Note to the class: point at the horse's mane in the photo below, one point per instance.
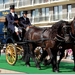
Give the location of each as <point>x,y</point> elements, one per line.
<point>59,23</point>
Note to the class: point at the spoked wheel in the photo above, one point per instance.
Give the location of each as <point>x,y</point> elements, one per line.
<point>11,54</point>
<point>20,51</point>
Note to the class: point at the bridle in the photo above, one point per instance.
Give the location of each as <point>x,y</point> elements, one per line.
<point>66,34</point>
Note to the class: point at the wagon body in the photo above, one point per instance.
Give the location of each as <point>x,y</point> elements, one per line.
<point>13,50</point>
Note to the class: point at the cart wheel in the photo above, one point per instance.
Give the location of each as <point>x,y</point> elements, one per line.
<point>11,54</point>
<point>20,51</point>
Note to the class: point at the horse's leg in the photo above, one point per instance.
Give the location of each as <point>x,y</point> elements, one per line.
<point>37,63</point>
<point>43,57</point>
<point>48,56</point>
<point>27,54</point>
<point>54,63</point>
<point>60,58</point>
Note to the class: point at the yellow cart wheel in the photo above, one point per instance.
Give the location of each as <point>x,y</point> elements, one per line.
<point>20,51</point>
<point>11,54</point>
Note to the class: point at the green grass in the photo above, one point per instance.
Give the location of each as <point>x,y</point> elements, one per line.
<point>65,68</point>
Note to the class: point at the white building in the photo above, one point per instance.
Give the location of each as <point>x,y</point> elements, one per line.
<point>42,12</point>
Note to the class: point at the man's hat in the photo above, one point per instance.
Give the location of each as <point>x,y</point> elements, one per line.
<point>25,12</point>
<point>12,6</point>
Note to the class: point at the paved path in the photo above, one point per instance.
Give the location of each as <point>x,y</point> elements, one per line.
<point>9,71</point>
<point>67,60</point>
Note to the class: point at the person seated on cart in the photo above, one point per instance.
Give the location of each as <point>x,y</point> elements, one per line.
<point>13,23</point>
<point>24,22</point>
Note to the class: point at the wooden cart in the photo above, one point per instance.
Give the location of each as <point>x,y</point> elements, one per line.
<point>13,51</point>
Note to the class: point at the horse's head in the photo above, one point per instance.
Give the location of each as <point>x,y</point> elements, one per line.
<point>65,31</point>
<point>62,30</point>
<point>66,28</point>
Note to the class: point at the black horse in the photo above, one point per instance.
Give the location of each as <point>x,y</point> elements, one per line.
<point>49,39</point>
<point>69,43</point>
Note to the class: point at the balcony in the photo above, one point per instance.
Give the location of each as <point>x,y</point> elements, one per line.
<point>32,4</point>
<point>24,3</point>
<point>51,18</point>
<point>40,1</point>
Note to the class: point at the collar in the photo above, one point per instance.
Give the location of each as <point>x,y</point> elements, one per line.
<point>12,14</point>
<point>24,18</point>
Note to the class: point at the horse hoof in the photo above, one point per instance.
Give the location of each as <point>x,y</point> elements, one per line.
<point>27,65</point>
<point>39,68</point>
<point>74,69</point>
<point>56,71</point>
<point>44,64</point>
<point>47,62</point>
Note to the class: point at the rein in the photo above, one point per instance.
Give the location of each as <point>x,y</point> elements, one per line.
<point>59,38</point>
<point>72,36</point>
<point>43,32</point>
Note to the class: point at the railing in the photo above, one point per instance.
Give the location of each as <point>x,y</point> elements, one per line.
<point>40,1</point>
<point>52,18</point>
<point>57,0</point>
<point>39,19</point>
<point>7,5</point>
<point>24,3</point>
<point>28,3</point>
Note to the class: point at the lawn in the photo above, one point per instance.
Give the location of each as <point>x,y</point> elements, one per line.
<point>65,68</point>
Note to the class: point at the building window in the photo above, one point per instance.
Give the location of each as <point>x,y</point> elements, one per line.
<point>14,0</point>
<point>41,14</point>
<point>46,0</point>
<point>69,10</point>
<point>36,1</point>
<point>6,1</point>
<point>21,13</point>
<point>47,12</point>
<point>44,14</point>
<point>32,13</point>
<point>60,12</point>
<point>1,1</point>
<point>57,12</point>
<point>36,12</point>
<point>43,11</point>
<point>35,15</point>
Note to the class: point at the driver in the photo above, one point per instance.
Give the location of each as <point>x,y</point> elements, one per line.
<point>12,19</point>
<point>24,22</point>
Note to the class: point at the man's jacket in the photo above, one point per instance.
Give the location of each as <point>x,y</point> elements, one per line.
<point>10,20</point>
<point>24,22</point>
